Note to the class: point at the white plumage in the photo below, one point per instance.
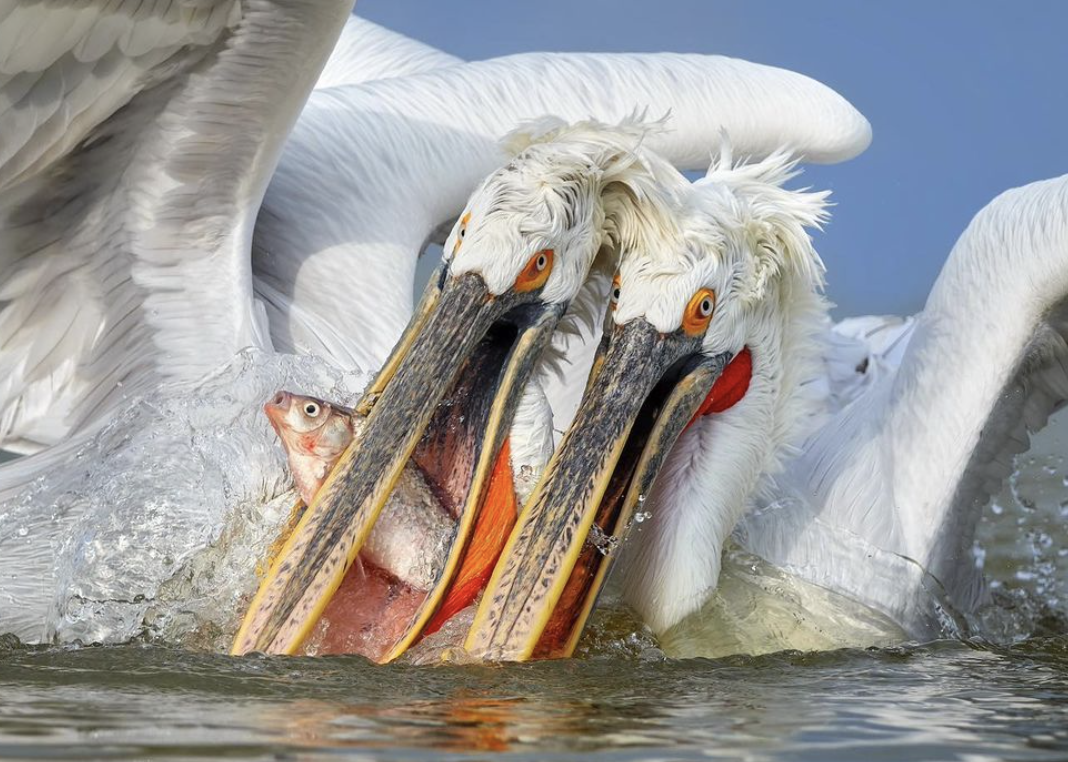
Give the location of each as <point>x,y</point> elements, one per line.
<point>366,51</point>
<point>138,142</point>
<point>129,190</point>
<point>402,154</point>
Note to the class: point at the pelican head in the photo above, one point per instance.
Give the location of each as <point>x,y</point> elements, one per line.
<point>541,219</point>
<point>692,388</point>
<point>446,398</point>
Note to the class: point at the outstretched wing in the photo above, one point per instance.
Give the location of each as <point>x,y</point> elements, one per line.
<point>137,144</point>
<point>1007,374</point>
<point>400,156</point>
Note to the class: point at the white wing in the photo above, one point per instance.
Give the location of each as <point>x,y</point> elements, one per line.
<point>400,156</point>
<point>903,472</point>
<point>366,51</point>
<point>129,189</point>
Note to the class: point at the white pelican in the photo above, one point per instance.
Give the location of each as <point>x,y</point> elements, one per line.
<point>138,144</point>
<point>881,501</point>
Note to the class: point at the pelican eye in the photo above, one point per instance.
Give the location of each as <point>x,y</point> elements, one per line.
<point>615,290</point>
<point>461,232</point>
<point>699,312</point>
<point>311,410</point>
<point>536,271</point>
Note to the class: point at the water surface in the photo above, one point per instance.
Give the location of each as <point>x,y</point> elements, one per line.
<point>945,700</point>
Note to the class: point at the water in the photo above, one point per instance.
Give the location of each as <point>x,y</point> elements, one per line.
<point>620,699</point>
<point>947,700</point>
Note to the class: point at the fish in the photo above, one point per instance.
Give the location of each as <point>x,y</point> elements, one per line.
<point>406,549</point>
<point>314,434</point>
<point>412,536</point>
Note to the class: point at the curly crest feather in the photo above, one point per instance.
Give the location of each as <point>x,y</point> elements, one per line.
<point>774,219</point>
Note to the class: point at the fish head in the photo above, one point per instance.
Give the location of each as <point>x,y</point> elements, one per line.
<point>314,433</point>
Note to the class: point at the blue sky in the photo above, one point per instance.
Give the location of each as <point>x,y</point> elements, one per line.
<point>966,99</point>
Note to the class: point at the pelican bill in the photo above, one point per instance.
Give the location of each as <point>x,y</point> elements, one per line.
<point>442,404</point>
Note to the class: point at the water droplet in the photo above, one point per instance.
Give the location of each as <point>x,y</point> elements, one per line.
<point>604,543</point>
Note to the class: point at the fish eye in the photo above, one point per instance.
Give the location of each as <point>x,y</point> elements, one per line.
<point>311,409</point>
<point>699,311</point>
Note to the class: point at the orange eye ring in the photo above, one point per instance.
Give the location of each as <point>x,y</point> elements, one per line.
<point>536,271</point>
<point>613,295</point>
<point>699,312</point>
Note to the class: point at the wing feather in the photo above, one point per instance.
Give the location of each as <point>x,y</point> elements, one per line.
<point>1036,390</point>
<point>115,46</point>
<point>861,351</point>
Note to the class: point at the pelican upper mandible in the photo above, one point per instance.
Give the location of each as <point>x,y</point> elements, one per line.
<point>705,385</point>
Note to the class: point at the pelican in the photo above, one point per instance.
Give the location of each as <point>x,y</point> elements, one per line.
<point>701,410</point>
<point>136,261</point>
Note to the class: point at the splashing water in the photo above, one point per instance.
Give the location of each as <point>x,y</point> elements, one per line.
<point>154,525</point>
<point>1022,546</point>
<point>603,542</point>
